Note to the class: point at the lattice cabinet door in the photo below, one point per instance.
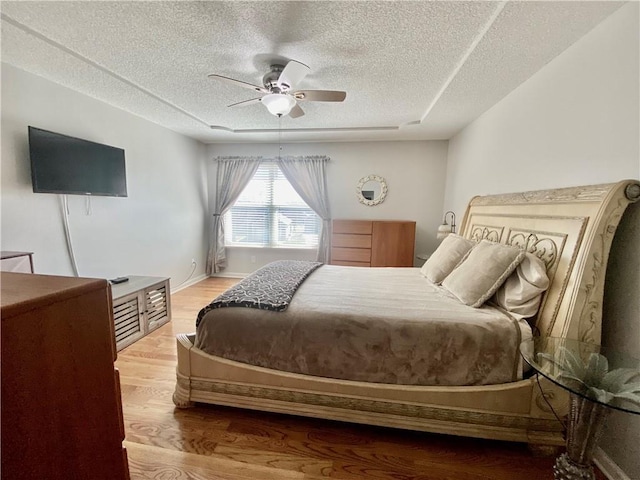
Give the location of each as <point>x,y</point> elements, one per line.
<point>157,306</point>
<point>128,318</point>
<point>140,305</point>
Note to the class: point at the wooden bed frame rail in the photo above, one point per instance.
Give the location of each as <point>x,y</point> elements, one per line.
<point>570,229</point>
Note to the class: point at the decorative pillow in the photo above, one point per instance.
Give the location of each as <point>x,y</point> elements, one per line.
<point>481,273</point>
<point>521,293</point>
<point>449,254</point>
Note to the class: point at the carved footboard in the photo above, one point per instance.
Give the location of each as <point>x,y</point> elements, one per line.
<point>514,411</point>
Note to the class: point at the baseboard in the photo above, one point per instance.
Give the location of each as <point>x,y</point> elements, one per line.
<point>188,283</point>
<point>199,278</point>
<point>230,275</point>
<point>608,467</point>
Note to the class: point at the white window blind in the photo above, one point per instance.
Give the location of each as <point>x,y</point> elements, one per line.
<point>269,213</point>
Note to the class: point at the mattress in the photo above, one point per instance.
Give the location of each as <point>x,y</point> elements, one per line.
<point>381,325</point>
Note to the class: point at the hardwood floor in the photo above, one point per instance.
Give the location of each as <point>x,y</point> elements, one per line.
<point>216,443</point>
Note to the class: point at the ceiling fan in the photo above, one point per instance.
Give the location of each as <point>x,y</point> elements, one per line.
<point>278,94</point>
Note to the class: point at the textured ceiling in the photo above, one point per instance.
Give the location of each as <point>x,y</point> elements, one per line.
<point>411,69</point>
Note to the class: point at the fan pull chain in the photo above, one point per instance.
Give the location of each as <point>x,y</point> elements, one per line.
<point>280,137</point>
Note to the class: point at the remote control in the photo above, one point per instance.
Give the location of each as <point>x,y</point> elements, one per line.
<point>119,280</point>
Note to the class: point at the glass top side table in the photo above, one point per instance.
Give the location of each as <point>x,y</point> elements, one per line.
<point>598,381</point>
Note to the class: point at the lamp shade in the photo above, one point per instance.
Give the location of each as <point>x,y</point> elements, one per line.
<point>444,230</point>
<point>278,103</point>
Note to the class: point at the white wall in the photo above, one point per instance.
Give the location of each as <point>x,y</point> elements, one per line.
<point>156,230</point>
<point>576,122</point>
<point>414,172</point>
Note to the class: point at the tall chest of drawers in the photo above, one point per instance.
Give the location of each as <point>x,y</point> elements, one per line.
<point>373,243</point>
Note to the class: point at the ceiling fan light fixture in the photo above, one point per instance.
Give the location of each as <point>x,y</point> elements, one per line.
<point>278,103</point>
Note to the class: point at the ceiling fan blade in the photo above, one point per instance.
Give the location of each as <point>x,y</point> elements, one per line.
<point>245,102</point>
<point>296,111</point>
<point>238,83</point>
<point>292,73</point>
<point>320,95</point>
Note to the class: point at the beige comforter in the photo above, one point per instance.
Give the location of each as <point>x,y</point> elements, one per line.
<point>383,325</point>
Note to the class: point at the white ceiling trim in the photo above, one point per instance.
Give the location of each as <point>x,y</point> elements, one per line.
<point>463,60</point>
<point>143,90</point>
<point>93,64</point>
<point>439,65</point>
<point>304,130</point>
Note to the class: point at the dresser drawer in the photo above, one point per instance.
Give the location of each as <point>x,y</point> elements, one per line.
<point>359,227</point>
<point>350,264</point>
<point>351,241</point>
<point>351,254</point>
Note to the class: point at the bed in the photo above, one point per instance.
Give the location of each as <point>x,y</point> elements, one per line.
<point>570,230</point>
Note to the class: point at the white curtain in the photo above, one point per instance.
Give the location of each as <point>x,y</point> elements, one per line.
<point>233,174</point>
<point>307,176</point>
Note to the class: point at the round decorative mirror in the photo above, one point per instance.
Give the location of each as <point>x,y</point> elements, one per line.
<point>371,190</point>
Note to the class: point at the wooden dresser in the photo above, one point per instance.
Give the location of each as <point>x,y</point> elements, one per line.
<point>373,243</point>
<point>61,404</point>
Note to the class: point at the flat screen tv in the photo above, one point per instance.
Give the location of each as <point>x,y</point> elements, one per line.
<point>69,165</point>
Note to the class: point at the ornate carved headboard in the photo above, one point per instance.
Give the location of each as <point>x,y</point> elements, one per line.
<point>571,230</point>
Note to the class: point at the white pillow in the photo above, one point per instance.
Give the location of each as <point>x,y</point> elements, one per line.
<point>521,293</point>
<point>446,257</point>
<point>482,271</point>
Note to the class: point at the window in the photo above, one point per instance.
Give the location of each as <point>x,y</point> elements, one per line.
<point>269,213</point>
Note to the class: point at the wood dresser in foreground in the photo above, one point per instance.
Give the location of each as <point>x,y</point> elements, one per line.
<point>373,243</point>
<point>61,404</point>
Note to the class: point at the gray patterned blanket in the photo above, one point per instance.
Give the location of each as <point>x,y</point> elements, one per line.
<point>269,288</point>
